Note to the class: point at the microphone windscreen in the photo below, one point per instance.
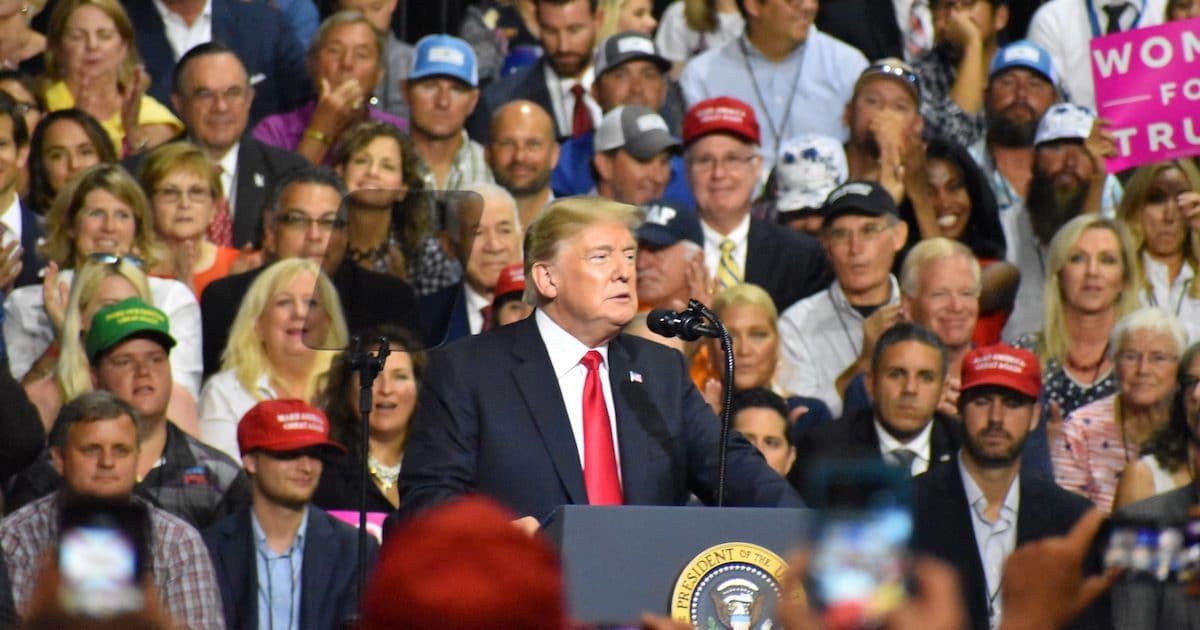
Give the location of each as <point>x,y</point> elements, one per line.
<point>659,322</point>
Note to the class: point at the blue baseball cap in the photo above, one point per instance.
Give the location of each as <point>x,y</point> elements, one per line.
<point>1024,54</point>
<point>668,223</point>
<point>445,55</point>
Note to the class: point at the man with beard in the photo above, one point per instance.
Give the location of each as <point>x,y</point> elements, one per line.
<point>441,91</point>
<point>974,512</point>
<point>1067,179</point>
<point>522,152</point>
<point>903,427</point>
<point>953,72</point>
<point>282,562</point>
<point>560,80</point>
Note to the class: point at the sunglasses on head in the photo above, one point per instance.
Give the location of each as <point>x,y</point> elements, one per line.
<point>112,259</point>
<point>898,71</point>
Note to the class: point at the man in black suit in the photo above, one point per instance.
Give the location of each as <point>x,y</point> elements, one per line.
<point>281,557</point>
<point>17,221</point>
<point>306,219</point>
<point>560,81</point>
<point>560,408</point>
<point>724,166</point>
<point>908,371</point>
<point>258,31</point>
<point>975,511</point>
<point>213,97</point>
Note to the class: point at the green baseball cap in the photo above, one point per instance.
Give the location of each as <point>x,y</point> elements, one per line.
<point>128,318</point>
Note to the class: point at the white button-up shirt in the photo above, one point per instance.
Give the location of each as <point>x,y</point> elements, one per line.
<point>182,36</point>
<point>919,445</point>
<point>995,540</point>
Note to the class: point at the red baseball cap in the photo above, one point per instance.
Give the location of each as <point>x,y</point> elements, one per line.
<point>511,280</point>
<point>1003,366</point>
<point>722,114</point>
<point>284,425</point>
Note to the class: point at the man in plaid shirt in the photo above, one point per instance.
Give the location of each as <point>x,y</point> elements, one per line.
<point>94,445</point>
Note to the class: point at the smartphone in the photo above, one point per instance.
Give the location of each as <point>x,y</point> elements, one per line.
<point>102,555</point>
<point>861,562</point>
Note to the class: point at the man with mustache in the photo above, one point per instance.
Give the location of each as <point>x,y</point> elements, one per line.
<point>903,427</point>
<point>974,512</point>
<point>522,153</point>
<point>560,81</point>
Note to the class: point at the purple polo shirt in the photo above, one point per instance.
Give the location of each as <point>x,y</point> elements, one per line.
<point>285,130</point>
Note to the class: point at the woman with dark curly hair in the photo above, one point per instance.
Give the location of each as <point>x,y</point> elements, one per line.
<point>375,156</point>
<point>394,399</point>
<point>64,143</point>
<point>964,209</point>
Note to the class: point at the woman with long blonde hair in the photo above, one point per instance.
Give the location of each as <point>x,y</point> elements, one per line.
<point>269,354</point>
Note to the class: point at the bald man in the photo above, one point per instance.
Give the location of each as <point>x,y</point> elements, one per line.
<point>522,153</point>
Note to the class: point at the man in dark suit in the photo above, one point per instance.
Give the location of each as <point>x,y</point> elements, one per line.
<point>526,413</point>
<point>908,371</point>
<point>214,99</point>
<point>559,80</point>
<point>14,215</point>
<point>305,219</point>
<point>975,511</point>
<point>258,32</point>
<point>257,550</point>
<point>724,166</point>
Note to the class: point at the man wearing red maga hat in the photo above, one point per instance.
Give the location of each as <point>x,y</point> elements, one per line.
<point>284,562</point>
<point>974,513</point>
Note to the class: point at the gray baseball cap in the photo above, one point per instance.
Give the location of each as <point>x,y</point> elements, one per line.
<point>617,49</point>
<point>641,131</point>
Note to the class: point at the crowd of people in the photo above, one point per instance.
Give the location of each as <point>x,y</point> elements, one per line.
<point>899,209</point>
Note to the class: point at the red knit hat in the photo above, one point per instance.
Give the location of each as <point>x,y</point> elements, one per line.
<point>465,566</point>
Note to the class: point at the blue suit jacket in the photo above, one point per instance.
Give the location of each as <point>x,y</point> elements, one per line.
<point>31,261</point>
<point>257,31</point>
<point>492,420</point>
<point>444,316</point>
<point>328,578</point>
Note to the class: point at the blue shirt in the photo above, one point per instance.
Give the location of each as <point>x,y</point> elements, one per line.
<point>573,174</point>
<point>279,578</point>
<point>810,87</point>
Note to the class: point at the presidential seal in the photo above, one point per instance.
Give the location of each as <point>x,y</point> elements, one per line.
<point>731,586</point>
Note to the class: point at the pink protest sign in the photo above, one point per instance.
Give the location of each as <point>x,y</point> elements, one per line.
<point>1148,84</point>
<point>374,521</point>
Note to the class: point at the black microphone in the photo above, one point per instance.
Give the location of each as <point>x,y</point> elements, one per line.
<point>688,325</point>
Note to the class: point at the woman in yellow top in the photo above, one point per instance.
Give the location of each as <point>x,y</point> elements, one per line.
<point>92,62</point>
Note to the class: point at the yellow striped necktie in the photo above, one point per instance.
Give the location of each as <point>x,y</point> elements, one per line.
<point>729,273</point>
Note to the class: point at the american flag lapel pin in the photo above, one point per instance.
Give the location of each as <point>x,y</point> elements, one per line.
<point>635,377</point>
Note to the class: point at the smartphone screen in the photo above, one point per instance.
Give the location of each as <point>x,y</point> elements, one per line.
<point>860,564</point>
<point>100,559</point>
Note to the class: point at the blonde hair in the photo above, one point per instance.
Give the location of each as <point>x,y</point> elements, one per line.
<point>178,156</point>
<point>932,250</point>
<point>700,15</point>
<point>1055,340</point>
<point>1137,191</point>
<point>746,294</point>
<point>56,31</point>
<point>60,220</point>
<point>245,353</point>
<point>71,373</point>
<point>562,220</point>
<point>612,15</point>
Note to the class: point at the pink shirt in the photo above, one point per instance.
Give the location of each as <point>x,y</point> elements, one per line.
<point>1091,452</point>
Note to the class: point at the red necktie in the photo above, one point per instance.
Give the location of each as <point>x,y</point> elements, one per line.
<point>599,455</point>
<point>581,119</point>
<point>486,311</point>
<point>220,230</point>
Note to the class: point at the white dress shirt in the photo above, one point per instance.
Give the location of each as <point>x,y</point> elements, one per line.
<point>566,352</point>
<point>995,540</point>
<point>1173,297</point>
<point>919,445</point>
<point>11,220</point>
<point>223,403</point>
<point>712,245</point>
<point>180,35</point>
<point>475,304</point>
<point>563,102</point>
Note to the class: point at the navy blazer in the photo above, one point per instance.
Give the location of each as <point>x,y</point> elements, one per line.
<point>328,575</point>
<point>31,260</point>
<point>943,528</point>
<point>854,437</point>
<point>788,265</point>
<point>528,83</point>
<point>444,316</point>
<point>260,35</point>
<point>491,419</point>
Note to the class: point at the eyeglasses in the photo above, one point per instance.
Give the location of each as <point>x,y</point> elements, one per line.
<point>173,195</point>
<point>297,221</point>
<point>896,69</point>
<point>868,232</point>
<point>707,163</point>
<point>207,97</point>
<point>113,259</point>
<point>1156,359</point>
